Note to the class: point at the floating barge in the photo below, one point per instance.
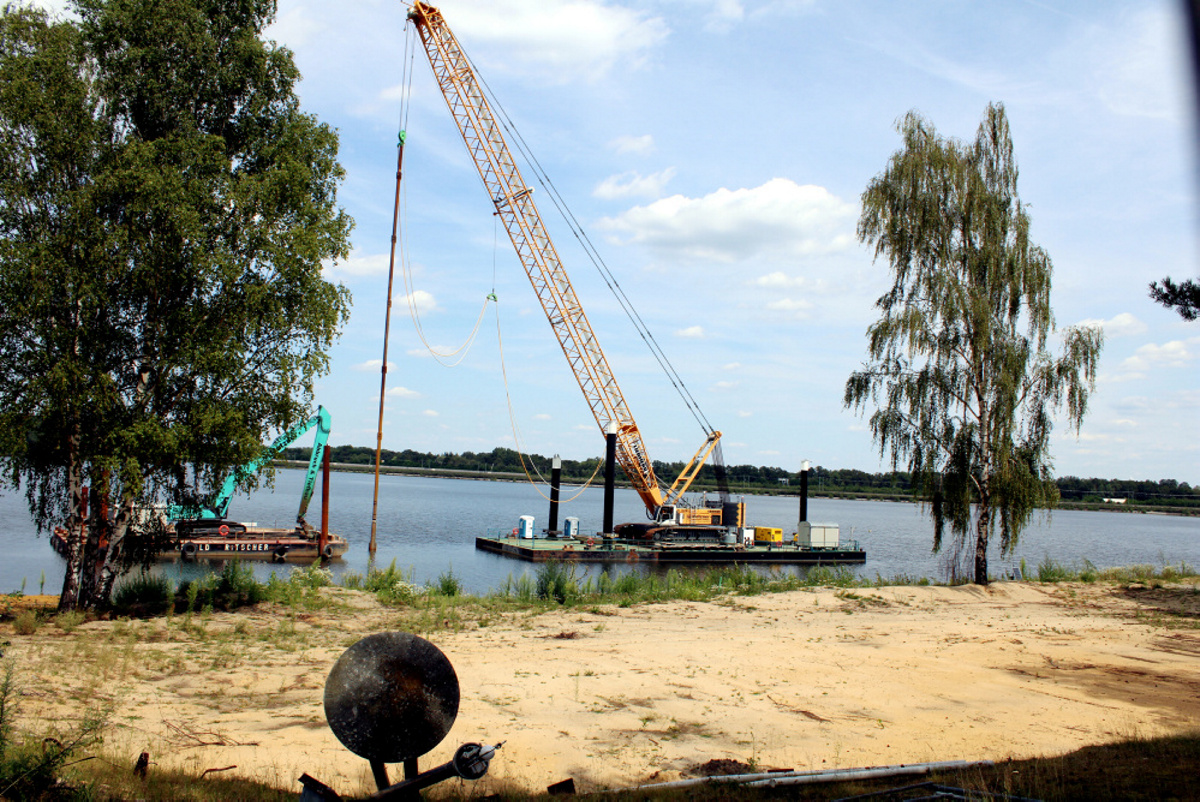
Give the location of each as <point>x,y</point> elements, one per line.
<point>613,550</point>
<point>277,545</point>
<point>244,543</point>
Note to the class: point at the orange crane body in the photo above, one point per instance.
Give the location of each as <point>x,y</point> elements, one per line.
<point>513,201</point>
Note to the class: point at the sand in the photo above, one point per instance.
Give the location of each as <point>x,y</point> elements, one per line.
<point>614,697</point>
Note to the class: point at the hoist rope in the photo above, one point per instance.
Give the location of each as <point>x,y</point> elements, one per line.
<point>512,419</point>
<point>593,255</point>
<point>410,289</point>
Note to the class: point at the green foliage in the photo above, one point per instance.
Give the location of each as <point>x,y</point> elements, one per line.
<point>70,620</point>
<point>301,588</point>
<point>1183,297</point>
<point>391,585</point>
<point>167,211</point>
<point>447,585</point>
<point>964,388</point>
<point>30,768</point>
<point>26,622</point>
<point>1050,571</point>
<point>144,594</point>
<point>234,587</point>
<point>556,581</point>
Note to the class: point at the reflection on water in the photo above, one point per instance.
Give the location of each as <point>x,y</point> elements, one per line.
<point>428,527</point>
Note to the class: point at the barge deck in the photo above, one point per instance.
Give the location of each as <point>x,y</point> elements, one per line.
<point>546,549</point>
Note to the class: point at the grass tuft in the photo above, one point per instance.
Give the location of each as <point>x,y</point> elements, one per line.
<point>143,595</point>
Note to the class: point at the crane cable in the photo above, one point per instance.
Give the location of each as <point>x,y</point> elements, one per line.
<point>593,254</point>
<point>512,418</point>
<point>410,290</point>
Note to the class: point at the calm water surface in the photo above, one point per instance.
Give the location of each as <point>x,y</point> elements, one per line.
<point>428,526</point>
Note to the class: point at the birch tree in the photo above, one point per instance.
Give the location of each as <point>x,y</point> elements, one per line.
<point>959,375</point>
<point>165,210</point>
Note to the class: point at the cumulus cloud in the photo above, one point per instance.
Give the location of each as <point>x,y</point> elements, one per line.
<point>790,305</point>
<point>634,184</point>
<point>358,265</point>
<point>420,300</point>
<point>559,40</point>
<point>779,218</point>
<point>56,7</point>
<point>1121,325</point>
<point>430,413</point>
<point>372,365</point>
<point>403,392</point>
<point>725,385</point>
<point>779,280</point>
<point>691,333</point>
<point>724,15</point>
<point>633,144</point>
<point>1174,354</point>
<point>541,416</point>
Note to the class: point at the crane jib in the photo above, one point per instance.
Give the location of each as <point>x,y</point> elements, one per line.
<point>515,208</point>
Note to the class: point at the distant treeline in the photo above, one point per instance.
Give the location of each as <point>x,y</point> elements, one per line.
<point>764,479</point>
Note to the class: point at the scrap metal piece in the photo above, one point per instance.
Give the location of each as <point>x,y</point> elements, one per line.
<point>391,697</point>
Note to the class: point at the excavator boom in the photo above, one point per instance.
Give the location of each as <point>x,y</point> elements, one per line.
<point>219,507</point>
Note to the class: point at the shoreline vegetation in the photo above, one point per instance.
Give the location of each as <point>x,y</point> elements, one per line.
<point>1167,497</point>
<point>82,745</point>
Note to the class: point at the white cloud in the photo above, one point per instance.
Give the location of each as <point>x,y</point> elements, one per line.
<point>691,333</point>
<point>1174,354</point>
<point>420,300</point>
<point>541,416</point>
<point>372,365</point>
<point>57,8</point>
<point>359,264</point>
<point>725,385</point>
<point>779,218</point>
<point>724,14</point>
<point>1128,72</point>
<point>790,305</point>
<point>732,366</point>
<point>633,144</point>
<point>1122,325</point>
<point>744,414</point>
<point>430,413</point>
<point>556,40</point>
<point>403,392</point>
<point>634,184</point>
<point>779,279</point>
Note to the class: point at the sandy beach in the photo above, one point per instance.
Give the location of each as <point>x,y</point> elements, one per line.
<point>614,696</point>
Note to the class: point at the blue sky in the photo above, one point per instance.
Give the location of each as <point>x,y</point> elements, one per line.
<point>715,151</point>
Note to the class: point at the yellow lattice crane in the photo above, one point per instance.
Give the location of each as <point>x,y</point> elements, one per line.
<point>516,209</point>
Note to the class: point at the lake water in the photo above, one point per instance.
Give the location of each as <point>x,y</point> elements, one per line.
<point>429,525</point>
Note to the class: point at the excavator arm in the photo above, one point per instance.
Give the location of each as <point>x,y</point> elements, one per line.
<point>219,507</point>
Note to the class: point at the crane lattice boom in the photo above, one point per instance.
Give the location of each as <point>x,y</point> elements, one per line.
<point>515,207</point>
